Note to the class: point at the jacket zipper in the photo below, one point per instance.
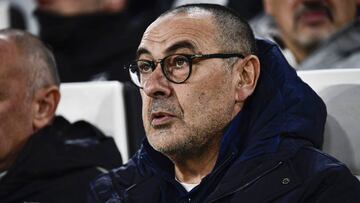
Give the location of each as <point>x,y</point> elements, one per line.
<point>250,182</point>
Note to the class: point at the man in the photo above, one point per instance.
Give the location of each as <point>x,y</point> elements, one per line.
<point>319,33</point>
<point>42,158</point>
<point>224,122</point>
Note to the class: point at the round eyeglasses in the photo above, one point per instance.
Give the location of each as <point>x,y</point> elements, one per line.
<point>176,67</point>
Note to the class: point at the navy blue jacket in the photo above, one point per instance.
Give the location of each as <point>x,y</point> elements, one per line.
<point>269,153</point>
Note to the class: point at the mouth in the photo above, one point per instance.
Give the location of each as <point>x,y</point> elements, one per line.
<point>161,118</point>
<point>314,13</point>
<point>44,2</point>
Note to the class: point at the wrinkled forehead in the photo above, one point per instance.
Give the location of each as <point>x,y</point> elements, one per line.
<point>194,32</point>
<point>10,60</point>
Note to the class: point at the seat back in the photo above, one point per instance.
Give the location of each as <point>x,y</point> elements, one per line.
<point>99,103</point>
<point>4,14</point>
<point>340,90</point>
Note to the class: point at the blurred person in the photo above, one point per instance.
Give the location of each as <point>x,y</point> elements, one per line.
<point>71,8</point>
<point>319,33</point>
<point>43,158</point>
<point>94,39</point>
<point>226,120</point>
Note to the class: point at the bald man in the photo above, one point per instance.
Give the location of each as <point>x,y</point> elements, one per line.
<point>42,158</point>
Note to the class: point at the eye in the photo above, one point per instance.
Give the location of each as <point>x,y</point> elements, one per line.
<point>144,66</point>
<point>178,62</point>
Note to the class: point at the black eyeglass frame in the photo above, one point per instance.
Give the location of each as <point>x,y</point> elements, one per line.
<point>189,57</point>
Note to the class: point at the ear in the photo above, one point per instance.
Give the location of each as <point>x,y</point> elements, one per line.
<point>247,74</point>
<point>267,7</point>
<point>45,102</point>
<point>114,5</point>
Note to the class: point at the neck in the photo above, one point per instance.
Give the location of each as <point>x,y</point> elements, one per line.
<point>193,168</point>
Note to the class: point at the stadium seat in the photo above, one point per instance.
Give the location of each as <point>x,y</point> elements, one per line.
<point>340,90</point>
<point>4,14</point>
<point>100,103</point>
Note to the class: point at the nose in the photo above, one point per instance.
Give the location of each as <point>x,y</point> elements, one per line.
<point>157,85</point>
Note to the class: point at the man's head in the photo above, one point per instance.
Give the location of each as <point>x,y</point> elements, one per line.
<point>303,24</point>
<point>78,7</point>
<point>29,91</point>
<point>189,118</point>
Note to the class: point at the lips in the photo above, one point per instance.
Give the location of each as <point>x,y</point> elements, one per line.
<point>314,12</point>
<point>161,118</point>
<point>314,17</point>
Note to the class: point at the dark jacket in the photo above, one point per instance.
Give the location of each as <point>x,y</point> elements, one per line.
<point>57,164</point>
<point>269,153</point>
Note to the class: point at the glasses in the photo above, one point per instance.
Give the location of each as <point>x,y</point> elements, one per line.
<point>176,67</point>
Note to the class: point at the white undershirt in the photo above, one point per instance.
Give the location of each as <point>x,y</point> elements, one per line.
<point>183,2</point>
<point>189,186</point>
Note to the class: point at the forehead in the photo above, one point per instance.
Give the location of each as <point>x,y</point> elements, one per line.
<point>174,31</point>
<point>10,61</point>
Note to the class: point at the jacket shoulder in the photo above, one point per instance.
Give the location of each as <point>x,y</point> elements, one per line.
<point>309,161</point>
<point>324,178</point>
<point>120,183</point>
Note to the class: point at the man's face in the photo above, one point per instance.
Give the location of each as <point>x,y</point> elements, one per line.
<point>189,117</point>
<point>15,104</point>
<point>307,22</point>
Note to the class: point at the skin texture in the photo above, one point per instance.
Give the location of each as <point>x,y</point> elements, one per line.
<point>302,28</point>
<point>22,112</point>
<point>186,121</point>
<point>78,7</point>
<point>15,104</point>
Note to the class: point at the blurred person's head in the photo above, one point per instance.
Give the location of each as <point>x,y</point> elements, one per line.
<point>304,24</point>
<point>79,7</point>
<point>29,91</point>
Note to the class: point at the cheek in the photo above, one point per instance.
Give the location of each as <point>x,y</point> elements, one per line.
<point>199,106</point>
<point>285,21</point>
<point>15,127</point>
<point>344,14</point>
<point>145,107</point>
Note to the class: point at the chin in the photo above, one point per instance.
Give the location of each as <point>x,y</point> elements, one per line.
<point>167,144</point>
<point>311,41</point>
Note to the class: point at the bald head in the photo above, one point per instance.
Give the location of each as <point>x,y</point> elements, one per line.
<point>233,33</point>
<point>35,60</point>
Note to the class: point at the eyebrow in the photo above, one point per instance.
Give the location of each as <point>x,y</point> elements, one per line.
<point>180,45</point>
<point>141,51</point>
<point>173,48</point>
